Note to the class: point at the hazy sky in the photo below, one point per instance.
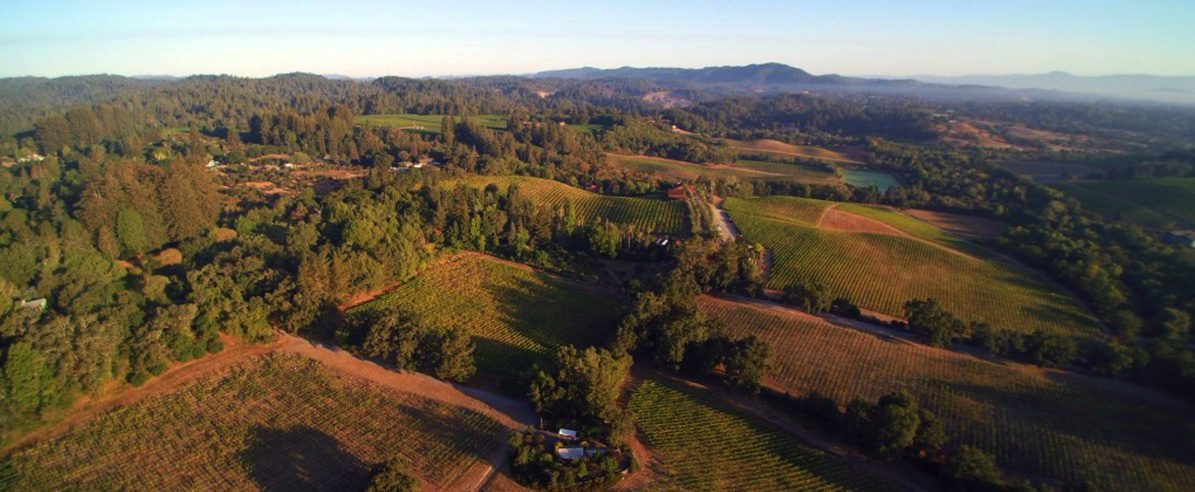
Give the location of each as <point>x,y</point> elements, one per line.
<point>430,37</point>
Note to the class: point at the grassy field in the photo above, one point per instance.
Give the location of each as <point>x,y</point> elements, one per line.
<point>426,123</point>
<point>1156,202</point>
<point>703,445</point>
<point>1080,429</point>
<point>743,169</point>
<point>646,214</point>
<point>274,422</point>
<point>880,272</point>
<point>516,315</point>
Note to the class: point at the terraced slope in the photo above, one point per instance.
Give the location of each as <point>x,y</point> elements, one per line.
<point>1116,436</point>
<point>516,315</point>
<point>883,262</point>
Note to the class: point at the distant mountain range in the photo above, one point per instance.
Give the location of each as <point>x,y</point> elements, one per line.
<point>1147,87</point>
<point>780,77</point>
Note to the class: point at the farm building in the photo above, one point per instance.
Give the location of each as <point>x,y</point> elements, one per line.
<point>1181,238</point>
<point>678,192</point>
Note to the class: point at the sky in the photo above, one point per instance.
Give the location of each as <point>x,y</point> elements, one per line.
<point>443,37</point>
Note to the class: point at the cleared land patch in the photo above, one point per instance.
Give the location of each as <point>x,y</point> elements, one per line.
<point>646,214</point>
<point>699,443</point>
<point>768,145</point>
<point>880,272</point>
<point>1049,423</point>
<point>517,315</point>
<point>275,421</point>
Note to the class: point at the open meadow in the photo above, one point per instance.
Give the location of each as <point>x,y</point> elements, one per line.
<point>271,422</point>
<point>879,259</point>
<point>651,215</point>
<point>1113,435</point>
<point>517,315</point>
<point>700,443</point>
<point>426,123</point>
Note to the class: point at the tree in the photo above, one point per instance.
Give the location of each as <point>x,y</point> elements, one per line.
<point>970,468</point>
<point>1174,324</point>
<point>27,379</point>
<point>131,231</point>
<point>394,476</point>
<point>585,384</point>
<point>1050,349</point>
<point>1110,358</point>
<point>895,421</point>
<point>392,335</point>
<point>745,362</point>
<point>932,324</point>
<point>452,357</point>
<point>448,131</point>
<point>812,296</point>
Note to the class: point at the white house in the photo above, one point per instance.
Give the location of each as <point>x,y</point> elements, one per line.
<point>571,453</point>
<point>567,434</point>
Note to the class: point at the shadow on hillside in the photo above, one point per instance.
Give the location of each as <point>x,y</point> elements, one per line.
<point>301,458</point>
<point>1059,420</point>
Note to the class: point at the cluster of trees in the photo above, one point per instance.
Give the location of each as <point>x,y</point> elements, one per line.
<point>665,325</point>
<point>398,337</point>
<point>642,136</point>
<point>808,118</point>
<point>1170,164</point>
<point>897,427</point>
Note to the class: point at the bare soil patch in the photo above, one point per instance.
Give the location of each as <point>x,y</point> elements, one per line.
<point>837,220</point>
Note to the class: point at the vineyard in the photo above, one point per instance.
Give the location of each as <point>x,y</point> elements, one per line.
<point>646,214</point>
<point>1160,202</point>
<point>743,169</point>
<point>516,315</point>
<point>1054,424</point>
<point>880,272</point>
<point>280,422</point>
<point>701,444</point>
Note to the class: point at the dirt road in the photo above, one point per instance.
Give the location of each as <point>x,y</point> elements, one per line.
<point>726,229</point>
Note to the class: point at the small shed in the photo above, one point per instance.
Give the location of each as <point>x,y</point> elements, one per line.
<point>571,453</point>
<point>567,434</point>
<point>36,304</point>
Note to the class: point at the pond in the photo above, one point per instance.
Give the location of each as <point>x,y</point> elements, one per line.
<point>863,178</point>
